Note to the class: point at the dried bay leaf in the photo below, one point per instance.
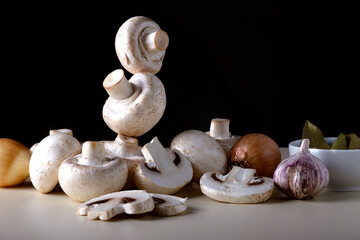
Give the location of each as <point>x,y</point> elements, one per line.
<point>353,141</point>
<point>314,134</point>
<point>340,142</point>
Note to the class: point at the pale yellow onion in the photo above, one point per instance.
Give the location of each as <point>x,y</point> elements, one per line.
<point>257,151</point>
<point>14,162</point>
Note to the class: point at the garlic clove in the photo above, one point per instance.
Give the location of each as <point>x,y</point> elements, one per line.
<point>14,162</point>
<point>302,175</point>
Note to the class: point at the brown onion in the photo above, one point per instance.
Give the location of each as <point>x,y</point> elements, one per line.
<point>14,162</point>
<point>258,151</point>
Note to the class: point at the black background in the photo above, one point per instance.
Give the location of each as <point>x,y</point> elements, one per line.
<point>267,67</point>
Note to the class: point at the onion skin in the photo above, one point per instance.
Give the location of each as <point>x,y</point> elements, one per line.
<point>257,151</point>
<point>302,175</point>
<point>14,162</point>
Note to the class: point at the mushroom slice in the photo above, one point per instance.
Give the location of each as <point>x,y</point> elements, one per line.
<point>112,204</point>
<point>162,172</point>
<point>240,185</point>
<point>167,205</point>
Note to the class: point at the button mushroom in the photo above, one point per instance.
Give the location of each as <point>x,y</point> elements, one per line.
<point>204,152</point>
<point>47,157</point>
<point>167,205</point>
<point>126,148</point>
<point>134,106</point>
<point>162,172</point>
<point>219,130</point>
<point>92,174</point>
<point>140,45</point>
<point>240,185</point>
<point>112,204</point>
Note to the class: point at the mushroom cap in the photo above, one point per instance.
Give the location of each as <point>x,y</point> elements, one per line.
<point>169,183</point>
<point>83,182</point>
<point>127,149</point>
<point>130,48</point>
<point>47,158</point>
<point>137,114</point>
<point>204,152</point>
<point>235,187</point>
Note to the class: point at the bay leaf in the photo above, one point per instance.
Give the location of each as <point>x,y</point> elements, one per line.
<point>340,142</point>
<point>353,141</point>
<point>314,134</point>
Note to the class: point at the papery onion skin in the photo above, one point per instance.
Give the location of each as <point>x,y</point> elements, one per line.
<point>14,162</point>
<point>302,175</point>
<point>257,151</point>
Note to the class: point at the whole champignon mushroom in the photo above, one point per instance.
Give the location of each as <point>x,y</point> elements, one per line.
<point>126,148</point>
<point>220,131</point>
<point>240,185</point>
<point>47,157</point>
<point>92,174</point>
<point>204,152</point>
<point>112,204</point>
<point>167,205</point>
<point>162,172</point>
<point>140,45</point>
<point>134,106</point>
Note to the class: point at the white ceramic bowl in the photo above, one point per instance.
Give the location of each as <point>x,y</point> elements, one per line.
<point>343,165</point>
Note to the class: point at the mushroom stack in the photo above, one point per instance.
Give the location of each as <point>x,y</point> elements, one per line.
<point>135,106</point>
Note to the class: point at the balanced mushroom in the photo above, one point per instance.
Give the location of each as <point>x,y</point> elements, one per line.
<point>167,205</point>
<point>204,152</point>
<point>162,172</point>
<point>134,106</point>
<point>92,174</point>
<point>220,131</point>
<point>112,204</point>
<point>126,148</point>
<point>140,45</point>
<point>47,157</point>
<point>240,185</point>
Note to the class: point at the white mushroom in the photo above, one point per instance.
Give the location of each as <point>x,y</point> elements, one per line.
<point>140,45</point>
<point>92,174</point>
<point>204,152</point>
<point>112,204</point>
<point>51,132</point>
<point>167,205</point>
<point>162,172</point>
<point>126,148</point>
<point>134,106</point>
<point>220,131</point>
<point>240,185</point>
<point>47,157</point>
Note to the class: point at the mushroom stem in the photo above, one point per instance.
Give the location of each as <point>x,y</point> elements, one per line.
<point>129,144</point>
<point>117,86</point>
<point>240,175</point>
<point>93,153</point>
<point>156,156</point>
<point>219,128</point>
<point>156,41</point>
<point>64,131</point>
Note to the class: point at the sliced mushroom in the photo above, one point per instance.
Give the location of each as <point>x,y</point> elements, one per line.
<point>167,205</point>
<point>112,204</point>
<point>240,185</point>
<point>47,157</point>
<point>126,148</point>
<point>220,131</point>
<point>204,152</point>
<point>92,174</point>
<point>134,106</point>
<point>140,45</point>
<point>162,172</point>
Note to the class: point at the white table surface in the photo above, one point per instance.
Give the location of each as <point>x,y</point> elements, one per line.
<point>29,214</point>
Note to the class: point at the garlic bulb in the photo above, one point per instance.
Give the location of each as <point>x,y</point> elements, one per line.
<point>14,162</point>
<point>302,175</point>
